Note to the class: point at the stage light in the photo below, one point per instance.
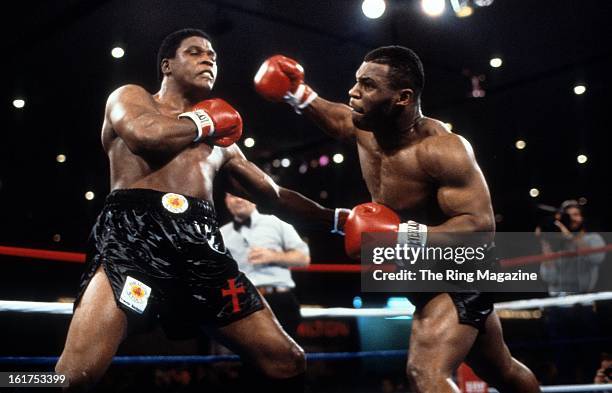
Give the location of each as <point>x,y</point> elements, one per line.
<point>60,158</point>
<point>520,144</point>
<point>373,9</point>
<point>579,89</point>
<point>483,3</point>
<point>117,52</point>
<point>89,195</point>
<point>323,160</point>
<point>449,126</point>
<point>303,168</point>
<point>276,163</point>
<point>582,159</point>
<point>285,162</point>
<point>338,158</point>
<point>18,103</point>
<point>357,302</point>
<point>534,192</point>
<point>249,142</point>
<point>433,7</point>
<point>495,62</point>
<point>462,8</point>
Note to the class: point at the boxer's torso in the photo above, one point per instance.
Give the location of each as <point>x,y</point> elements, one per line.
<point>189,172</point>
<point>396,177</point>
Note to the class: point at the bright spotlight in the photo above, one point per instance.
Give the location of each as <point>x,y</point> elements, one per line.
<point>534,192</point>
<point>373,9</point>
<point>582,159</point>
<point>579,89</point>
<point>249,142</point>
<point>495,62</point>
<point>433,7</point>
<point>117,52</point>
<point>18,103</point>
<point>520,144</point>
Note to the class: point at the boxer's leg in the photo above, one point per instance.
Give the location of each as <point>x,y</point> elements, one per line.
<point>438,344</point>
<point>97,328</point>
<point>259,339</point>
<point>491,360</point>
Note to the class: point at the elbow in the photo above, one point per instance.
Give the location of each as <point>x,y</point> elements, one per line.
<point>483,223</point>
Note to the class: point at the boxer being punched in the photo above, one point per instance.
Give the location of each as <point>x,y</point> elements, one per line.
<point>156,250</point>
<point>416,169</point>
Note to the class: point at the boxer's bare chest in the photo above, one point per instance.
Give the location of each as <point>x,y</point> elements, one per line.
<point>396,178</point>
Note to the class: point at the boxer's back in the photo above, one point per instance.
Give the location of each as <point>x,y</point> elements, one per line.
<point>191,171</point>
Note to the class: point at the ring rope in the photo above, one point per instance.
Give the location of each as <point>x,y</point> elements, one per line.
<point>76,257</point>
<point>318,312</point>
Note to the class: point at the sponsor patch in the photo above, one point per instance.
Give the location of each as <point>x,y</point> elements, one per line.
<point>175,203</point>
<point>135,294</point>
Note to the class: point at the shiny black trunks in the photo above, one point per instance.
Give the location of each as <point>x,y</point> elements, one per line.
<point>473,307</point>
<point>166,262</point>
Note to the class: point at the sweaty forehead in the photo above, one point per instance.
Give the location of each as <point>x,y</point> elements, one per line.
<point>371,70</point>
<point>196,41</point>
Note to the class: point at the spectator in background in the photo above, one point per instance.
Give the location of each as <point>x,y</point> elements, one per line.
<point>265,248</point>
<point>604,373</point>
<point>574,274</point>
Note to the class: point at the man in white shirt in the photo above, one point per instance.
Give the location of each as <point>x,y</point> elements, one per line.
<point>265,247</point>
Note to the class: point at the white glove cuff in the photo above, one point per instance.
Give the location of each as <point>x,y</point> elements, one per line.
<point>412,233</point>
<point>297,101</point>
<point>336,216</point>
<point>202,120</point>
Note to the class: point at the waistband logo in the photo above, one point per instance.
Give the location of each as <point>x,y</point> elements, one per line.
<point>175,203</point>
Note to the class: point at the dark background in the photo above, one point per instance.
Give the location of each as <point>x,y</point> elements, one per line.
<point>57,57</point>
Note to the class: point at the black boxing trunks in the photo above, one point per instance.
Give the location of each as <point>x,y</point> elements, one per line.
<point>473,307</point>
<point>166,262</point>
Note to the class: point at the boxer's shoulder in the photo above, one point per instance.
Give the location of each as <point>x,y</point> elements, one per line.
<point>440,152</point>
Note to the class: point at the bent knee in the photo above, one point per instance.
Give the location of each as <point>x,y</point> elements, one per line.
<point>79,380</point>
<point>419,372</point>
<point>284,364</point>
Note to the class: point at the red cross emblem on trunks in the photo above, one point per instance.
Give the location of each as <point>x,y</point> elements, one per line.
<point>233,291</point>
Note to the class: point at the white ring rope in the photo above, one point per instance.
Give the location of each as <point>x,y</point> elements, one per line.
<point>316,312</point>
<point>570,388</point>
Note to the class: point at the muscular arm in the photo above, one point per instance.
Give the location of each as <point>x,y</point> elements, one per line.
<point>463,195</point>
<point>332,117</point>
<point>135,118</point>
<point>245,179</point>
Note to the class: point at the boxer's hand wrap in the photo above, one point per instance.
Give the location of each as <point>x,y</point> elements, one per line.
<point>412,233</point>
<point>203,122</point>
<point>217,121</point>
<point>302,97</point>
<point>335,229</point>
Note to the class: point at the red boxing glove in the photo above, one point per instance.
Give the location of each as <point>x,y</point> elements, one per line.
<point>367,217</point>
<point>216,120</point>
<point>282,79</point>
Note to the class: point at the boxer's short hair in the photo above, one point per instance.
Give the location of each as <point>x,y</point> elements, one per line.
<point>405,67</point>
<point>169,45</point>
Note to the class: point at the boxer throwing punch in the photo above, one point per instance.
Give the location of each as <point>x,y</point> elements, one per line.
<point>156,253</point>
<point>415,170</point>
